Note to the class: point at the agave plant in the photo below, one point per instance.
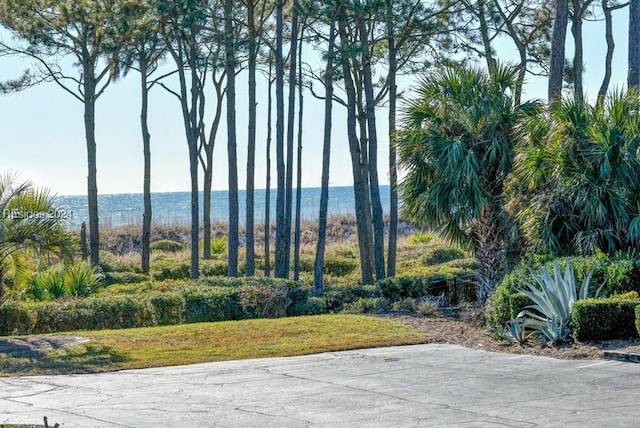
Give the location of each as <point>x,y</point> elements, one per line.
<point>514,331</point>
<point>553,299</point>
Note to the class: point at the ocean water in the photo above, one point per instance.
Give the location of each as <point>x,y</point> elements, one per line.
<point>173,208</point>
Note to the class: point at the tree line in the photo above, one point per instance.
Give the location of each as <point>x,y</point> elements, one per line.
<point>364,45</point>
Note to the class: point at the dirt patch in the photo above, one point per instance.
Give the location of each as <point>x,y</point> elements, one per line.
<point>466,331</point>
<point>38,344</point>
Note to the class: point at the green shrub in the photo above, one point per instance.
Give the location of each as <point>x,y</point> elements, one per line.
<point>181,270</point>
<point>203,304</point>
<point>631,295</point>
<point>638,319</point>
<point>335,297</point>
<point>612,275</point>
<point>218,246</point>
<point>405,305</point>
<point>263,302</point>
<point>307,263</point>
<point>402,287</point>
<point>604,319</point>
<point>168,308</point>
<point>442,255</point>
<point>91,314</point>
<point>110,278</point>
<point>420,238</point>
<point>63,281</point>
<point>344,251</point>
<point>213,268</point>
<point>110,262</point>
<point>47,285</point>
<point>427,309</point>
<point>339,266</point>
<point>167,246</point>
<point>363,305</point>
<point>314,306</point>
<point>333,265</point>
<point>82,279</point>
<point>15,318</point>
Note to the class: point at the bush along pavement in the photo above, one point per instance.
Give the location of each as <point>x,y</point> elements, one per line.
<point>553,297</point>
<point>611,318</point>
<point>610,275</point>
<point>151,303</point>
<point>197,301</point>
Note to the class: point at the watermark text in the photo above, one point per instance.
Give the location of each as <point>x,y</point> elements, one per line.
<point>19,214</point>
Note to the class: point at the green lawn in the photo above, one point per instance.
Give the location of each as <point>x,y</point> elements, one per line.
<point>110,350</point>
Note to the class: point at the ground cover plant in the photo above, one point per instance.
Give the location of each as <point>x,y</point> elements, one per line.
<point>109,350</point>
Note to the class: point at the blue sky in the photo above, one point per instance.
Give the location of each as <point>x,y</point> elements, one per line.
<point>43,134</point>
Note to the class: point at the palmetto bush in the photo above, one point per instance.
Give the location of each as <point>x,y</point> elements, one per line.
<point>79,280</point>
<point>456,147</point>
<point>29,228</point>
<point>578,177</point>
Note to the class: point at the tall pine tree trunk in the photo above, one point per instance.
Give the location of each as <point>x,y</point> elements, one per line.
<point>207,165</point>
<point>374,188</point>
<point>281,266</point>
<point>326,156</point>
<point>296,246</point>
<point>146,151</point>
<point>231,139</point>
<point>393,170</point>
<point>92,176</point>
<point>578,57</point>
<point>558,39</point>
<point>358,163</point>
<point>608,20</point>
<point>293,53</point>
<point>633,73</point>
<point>267,202</point>
<point>251,145</point>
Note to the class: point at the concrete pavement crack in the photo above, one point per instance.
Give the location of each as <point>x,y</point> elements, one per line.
<point>383,394</point>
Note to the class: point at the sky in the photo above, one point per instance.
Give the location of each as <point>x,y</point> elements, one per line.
<point>42,133</point>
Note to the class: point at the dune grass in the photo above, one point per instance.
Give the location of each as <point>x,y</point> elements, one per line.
<point>111,350</point>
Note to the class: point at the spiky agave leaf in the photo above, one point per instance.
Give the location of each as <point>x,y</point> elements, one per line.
<point>553,299</point>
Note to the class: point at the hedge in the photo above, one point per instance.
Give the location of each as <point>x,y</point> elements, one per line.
<point>195,302</point>
<point>604,319</point>
<point>618,273</point>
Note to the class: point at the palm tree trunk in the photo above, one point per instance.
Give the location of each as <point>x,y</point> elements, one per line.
<point>489,250</point>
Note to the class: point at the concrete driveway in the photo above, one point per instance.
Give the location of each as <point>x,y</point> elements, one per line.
<point>406,386</point>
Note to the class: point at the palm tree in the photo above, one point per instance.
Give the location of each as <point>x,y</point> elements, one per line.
<point>456,147</point>
<point>579,165</point>
<point>30,225</point>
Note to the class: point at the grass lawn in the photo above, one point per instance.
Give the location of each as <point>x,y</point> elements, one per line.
<point>110,350</point>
